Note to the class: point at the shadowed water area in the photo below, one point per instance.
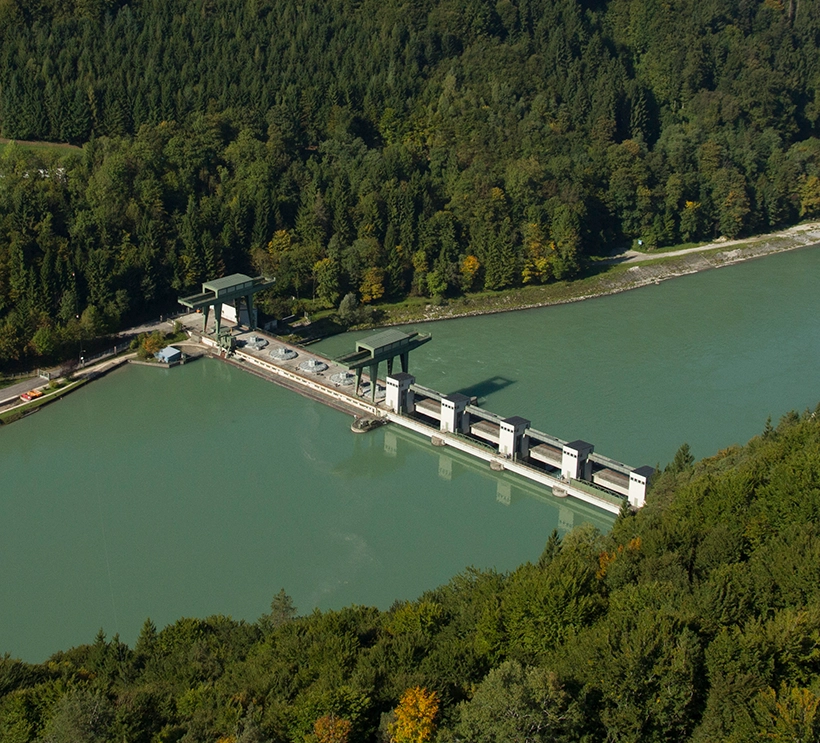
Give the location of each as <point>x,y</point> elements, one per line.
<point>203,489</point>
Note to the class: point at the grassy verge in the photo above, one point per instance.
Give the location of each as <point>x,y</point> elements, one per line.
<point>176,337</point>
<point>415,309</point>
<point>38,146</point>
<point>14,415</point>
<point>422,308</point>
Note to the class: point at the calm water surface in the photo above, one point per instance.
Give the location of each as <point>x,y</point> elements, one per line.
<point>204,490</point>
<point>702,359</point>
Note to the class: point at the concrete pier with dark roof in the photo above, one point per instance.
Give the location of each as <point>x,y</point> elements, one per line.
<point>233,288</point>
<point>384,346</point>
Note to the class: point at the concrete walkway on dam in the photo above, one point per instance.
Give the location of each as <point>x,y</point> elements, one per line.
<point>292,366</point>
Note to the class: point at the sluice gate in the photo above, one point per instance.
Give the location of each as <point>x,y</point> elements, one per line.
<point>567,467</point>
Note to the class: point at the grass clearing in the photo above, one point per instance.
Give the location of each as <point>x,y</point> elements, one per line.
<point>419,308</point>
<point>38,146</point>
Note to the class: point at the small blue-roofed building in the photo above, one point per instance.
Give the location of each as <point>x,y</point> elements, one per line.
<point>169,355</point>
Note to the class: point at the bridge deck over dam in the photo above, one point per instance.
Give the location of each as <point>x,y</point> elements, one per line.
<point>567,468</point>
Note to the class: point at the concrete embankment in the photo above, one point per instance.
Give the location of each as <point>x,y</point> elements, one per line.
<point>301,388</point>
<point>314,388</point>
<point>499,464</point>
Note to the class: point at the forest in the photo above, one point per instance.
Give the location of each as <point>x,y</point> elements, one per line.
<point>696,619</point>
<point>381,148</point>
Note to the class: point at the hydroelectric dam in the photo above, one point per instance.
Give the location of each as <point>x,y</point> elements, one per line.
<point>566,468</point>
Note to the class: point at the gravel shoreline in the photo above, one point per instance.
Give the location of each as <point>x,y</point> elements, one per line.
<point>644,269</point>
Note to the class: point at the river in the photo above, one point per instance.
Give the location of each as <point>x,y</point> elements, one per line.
<point>203,489</point>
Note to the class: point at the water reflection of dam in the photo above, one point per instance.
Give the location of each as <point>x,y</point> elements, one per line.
<point>508,488</point>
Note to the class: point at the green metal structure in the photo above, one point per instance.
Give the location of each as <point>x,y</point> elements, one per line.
<point>225,340</point>
<point>383,346</point>
<point>219,291</point>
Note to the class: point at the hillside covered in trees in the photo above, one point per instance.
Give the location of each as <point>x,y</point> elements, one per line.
<point>696,619</point>
<point>382,147</point>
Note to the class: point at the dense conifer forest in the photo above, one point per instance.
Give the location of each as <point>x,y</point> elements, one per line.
<point>696,619</point>
<point>428,147</point>
<point>382,148</point>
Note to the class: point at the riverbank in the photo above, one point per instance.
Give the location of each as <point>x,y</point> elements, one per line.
<point>630,270</point>
<point>12,410</point>
<point>620,273</point>
<point>18,412</point>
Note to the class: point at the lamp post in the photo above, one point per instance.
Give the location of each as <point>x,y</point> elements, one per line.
<point>82,358</point>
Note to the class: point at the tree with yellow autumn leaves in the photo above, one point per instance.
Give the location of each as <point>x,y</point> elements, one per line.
<point>415,716</point>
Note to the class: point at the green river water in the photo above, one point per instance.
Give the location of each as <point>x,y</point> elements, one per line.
<point>204,490</point>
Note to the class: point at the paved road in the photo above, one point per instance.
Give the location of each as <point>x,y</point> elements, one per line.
<point>150,327</point>
<point>10,396</point>
<point>802,234</point>
<point>14,391</point>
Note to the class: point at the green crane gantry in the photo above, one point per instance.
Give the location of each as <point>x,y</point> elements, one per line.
<point>229,288</point>
<point>383,346</point>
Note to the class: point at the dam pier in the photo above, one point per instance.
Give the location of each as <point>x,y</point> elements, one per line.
<point>567,468</point>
